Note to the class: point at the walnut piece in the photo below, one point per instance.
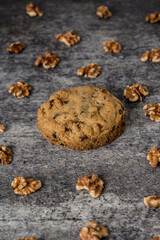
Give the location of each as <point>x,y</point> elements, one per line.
<point>20,89</point>
<point>154,56</point>
<point>103,12</point>
<point>91,71</point>
<point>153,111</point>
<point>25,186</point>
<point>16,47</point>
<point>152,201</point>
<point>156,238</point>
<point>70,38</point>
<point>112,46</point>
<point>5,155</point>
<point>33,10</point>
<point>145,56</point>
<point>94,185</point>
<point>93,232</point>
<point>153,17</point>
<point>135,92</point>
<point>2,128</point>
<point>48,60</point>
<point>154,156</point>
<point>27,238</point>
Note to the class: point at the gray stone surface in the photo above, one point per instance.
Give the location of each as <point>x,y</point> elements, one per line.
<point>58,211</point>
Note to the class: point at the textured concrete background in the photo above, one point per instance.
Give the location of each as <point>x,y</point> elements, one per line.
<point>58,211</point>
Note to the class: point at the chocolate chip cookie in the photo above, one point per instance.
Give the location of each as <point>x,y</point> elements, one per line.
<point>84,118</point>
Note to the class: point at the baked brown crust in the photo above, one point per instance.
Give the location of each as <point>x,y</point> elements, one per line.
<point>84,118</point>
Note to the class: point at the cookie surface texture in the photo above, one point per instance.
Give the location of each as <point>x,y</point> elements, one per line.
<point>84,118</point>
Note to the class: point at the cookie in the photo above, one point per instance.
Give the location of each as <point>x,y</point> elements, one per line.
<point>84,118</point>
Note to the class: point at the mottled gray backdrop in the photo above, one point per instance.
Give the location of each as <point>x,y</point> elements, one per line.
<point>58,211</point>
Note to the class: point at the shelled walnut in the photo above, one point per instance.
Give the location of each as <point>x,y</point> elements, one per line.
<point>93,232</point>
<point>153,17</point>
<point>20,89</point>
<point>2,128</point>
<point>27,238</point>
<point>32,10</point>
<point>5,155</point>
<point>152,201</point>
<point>153,111</point>
<point>156,238</point>
<point>91,71</point>
<point>154,56</point>
<point>16,47</point>
<point>135,92</point>
<point>94,185</point>
<point>112,46</point>
<point>103,12</point>
<point>70,38</point>
<point>48,60</point>
<point>154,156</point>
<point>25,186</point>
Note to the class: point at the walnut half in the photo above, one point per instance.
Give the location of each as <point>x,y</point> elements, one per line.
<point>16,47</point>
<point>153,111</point>
<point>93,232</point>
<point>5,155</point>
<point>135,92</point>
<point>154,56</point>
<point>20,89</point>
<point>91,71</point>
<point>153,17</point>
<point>112,46</point>
<point>33,10</point>
<point>152,201</point>
<point>103,12</point>
<point>156,238</point>
<point>154,156</point>
<point>26,238</point>
<point>48,60</point>
<point>94,185</point>
<point>25,186</point>
<point>70,38</point>
<point>2,128</point>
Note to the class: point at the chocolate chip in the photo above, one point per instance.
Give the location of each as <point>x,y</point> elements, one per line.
<point>61,144</point>
<point>82,112</point>
<point>43,111</point>
<point>78,125</point>
<point>94,95</point>
<point>113,129</point>
<point>91,146</point>
<point>120,111</point>
<point>55,116</point>
<point>67,129</point>
<point>54,134</point>
<point>104,90</point>
<point>51,103</point>
<point>123,124</point>
<point>83,137</point>
<point>100,126</point>
<point>83,97</point>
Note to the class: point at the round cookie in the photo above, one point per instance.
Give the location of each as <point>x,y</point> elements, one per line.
<point>84,117</point>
